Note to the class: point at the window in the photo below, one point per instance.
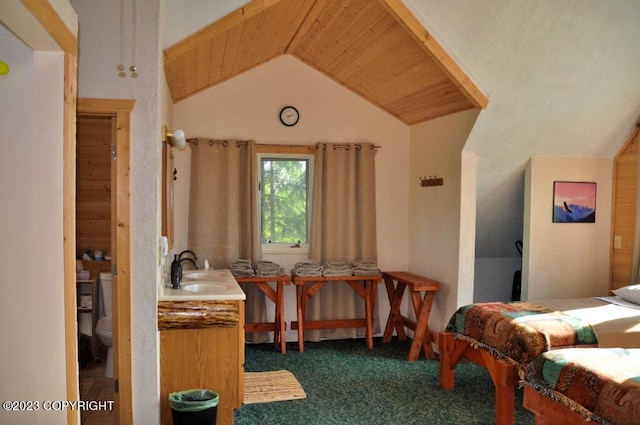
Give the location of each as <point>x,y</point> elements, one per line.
<point>285,195</point>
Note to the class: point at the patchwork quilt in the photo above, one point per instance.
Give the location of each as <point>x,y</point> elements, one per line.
<point>601,384</point>
<point>521,331</point>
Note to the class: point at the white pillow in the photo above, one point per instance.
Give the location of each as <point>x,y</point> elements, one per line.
<point>629,293</point>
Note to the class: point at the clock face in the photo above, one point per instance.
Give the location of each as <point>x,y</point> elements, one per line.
<point>289,116</point>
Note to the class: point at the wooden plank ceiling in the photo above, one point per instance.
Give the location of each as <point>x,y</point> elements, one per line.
<point>375,48</point>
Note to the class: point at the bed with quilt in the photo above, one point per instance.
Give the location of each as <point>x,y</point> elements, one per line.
<point>505,338</point>
<point>572,386</point>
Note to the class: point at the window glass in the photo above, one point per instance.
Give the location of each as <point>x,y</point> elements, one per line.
<point>284,199</point>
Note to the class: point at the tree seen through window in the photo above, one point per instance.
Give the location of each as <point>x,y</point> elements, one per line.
<point>283,200</point>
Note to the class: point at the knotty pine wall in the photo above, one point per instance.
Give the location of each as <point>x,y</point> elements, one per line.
<point>625,184</point>
<point>93,184</point>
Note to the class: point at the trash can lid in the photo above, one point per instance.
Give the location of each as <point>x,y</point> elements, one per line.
<point>193,400</point>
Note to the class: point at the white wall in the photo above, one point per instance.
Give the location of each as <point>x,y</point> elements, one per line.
<point>565,260</point>
<point>247,107</point>
<point>496,275</point>
<point>436,216</point>
<point>562,80</point>
<point>32,304</point>
<point>98,78</point>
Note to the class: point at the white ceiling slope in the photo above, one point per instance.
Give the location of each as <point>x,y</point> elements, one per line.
<point>562,79</point>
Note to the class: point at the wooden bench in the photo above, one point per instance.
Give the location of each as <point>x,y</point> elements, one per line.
<point>278,326</point>
<point>396,283</point>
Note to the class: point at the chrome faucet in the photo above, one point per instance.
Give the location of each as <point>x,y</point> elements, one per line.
<point>176,267</point>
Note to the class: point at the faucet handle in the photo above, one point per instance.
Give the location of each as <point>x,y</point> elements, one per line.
<point>176,273</point>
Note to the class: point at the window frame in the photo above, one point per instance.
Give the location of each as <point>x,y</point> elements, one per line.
<point>289,247</point>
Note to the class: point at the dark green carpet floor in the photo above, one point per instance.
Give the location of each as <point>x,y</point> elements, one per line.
<point>348,384</point>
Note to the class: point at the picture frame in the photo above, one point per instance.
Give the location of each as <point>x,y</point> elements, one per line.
<point>574,202</point>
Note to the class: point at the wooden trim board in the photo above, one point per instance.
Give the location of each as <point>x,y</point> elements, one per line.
<point>120,110</point>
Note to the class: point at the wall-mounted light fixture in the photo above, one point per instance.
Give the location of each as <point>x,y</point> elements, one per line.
<point>174,138</point>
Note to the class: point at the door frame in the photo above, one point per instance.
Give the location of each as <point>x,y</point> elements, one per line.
<point>120,110</point>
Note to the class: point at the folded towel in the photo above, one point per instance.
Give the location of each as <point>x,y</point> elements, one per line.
<point>337,272</point>
<point>366,272</point>
<point>269,269</point>
<point>241,268</point>
<point>365,268</point>
<point>306,273</point>
<point>307,268</point>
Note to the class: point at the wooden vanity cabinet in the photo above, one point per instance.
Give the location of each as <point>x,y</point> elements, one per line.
<point>202,354</point>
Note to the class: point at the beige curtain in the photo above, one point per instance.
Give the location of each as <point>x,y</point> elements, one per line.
<point>343,228</point>
<point>223,224</point>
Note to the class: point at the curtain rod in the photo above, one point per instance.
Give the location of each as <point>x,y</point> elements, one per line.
<point>224,143</point>
<point>347,147</point>
<point>212,142</point>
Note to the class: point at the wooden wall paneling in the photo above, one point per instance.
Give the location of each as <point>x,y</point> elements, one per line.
<point>242,56</point>
<point>411,24</point>
<point>173,73</point>
<point>203,64</point>
<point>625,186</point>
<point>331,31</point>
<point>93,184</point>
<point>370,47</point>
<point>234,35</point>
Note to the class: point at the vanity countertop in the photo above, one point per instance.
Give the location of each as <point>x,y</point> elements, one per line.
<point>204,285</point>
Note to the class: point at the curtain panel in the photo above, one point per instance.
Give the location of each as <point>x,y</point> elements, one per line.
<point>343,228</point>
<point>223,223</point>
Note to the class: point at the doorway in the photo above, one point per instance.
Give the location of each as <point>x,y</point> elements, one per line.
<point>94,134</point>
<point>115,116</point>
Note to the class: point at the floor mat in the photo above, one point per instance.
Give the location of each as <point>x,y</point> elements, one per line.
<point>264,387</point>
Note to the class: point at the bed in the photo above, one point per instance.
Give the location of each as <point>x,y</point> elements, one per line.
<point>506,337</point>
<point>573,386</point>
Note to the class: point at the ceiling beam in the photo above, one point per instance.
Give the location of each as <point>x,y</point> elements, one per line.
<point>48,17</point>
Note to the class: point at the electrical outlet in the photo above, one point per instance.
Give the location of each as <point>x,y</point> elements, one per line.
<point>617,242</point>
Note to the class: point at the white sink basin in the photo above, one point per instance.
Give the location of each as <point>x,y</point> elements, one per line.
<point>203,285</point>
<point>206,286</point>
<point>203,275</point>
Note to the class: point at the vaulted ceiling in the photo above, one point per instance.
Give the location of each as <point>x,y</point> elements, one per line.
<point>375,48</point>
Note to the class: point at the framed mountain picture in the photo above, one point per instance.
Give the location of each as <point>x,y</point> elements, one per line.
<point>574,202</point>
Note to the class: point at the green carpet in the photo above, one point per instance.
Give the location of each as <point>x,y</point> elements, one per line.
<point>348,384</point>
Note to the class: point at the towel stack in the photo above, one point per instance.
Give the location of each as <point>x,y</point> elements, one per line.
<point>269,269</point>
<point>365,268</point>
<point>337,268</point>
<point>242,268</point>
<point>307,268</point>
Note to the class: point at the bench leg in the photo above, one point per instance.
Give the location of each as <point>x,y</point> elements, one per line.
<point>422,336</point>
<point>446,345</point>
<point>301,312</point>
<point>395,318</point>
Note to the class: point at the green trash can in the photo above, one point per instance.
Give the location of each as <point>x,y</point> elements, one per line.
<point>194,407</point>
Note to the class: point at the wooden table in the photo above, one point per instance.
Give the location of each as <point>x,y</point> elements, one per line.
<point>396,283</point>
<point>308,286</point>
<point>278,326</point>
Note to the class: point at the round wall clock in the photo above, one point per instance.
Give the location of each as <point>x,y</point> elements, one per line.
<point>289,116</point>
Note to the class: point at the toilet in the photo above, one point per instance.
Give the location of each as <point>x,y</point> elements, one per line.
<point>104,329</point>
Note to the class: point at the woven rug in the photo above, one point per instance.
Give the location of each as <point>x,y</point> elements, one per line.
<point>264,387</point>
